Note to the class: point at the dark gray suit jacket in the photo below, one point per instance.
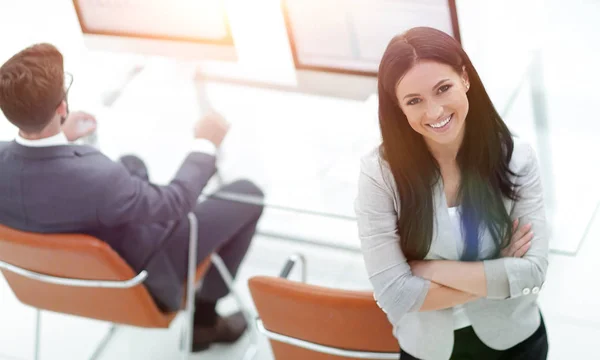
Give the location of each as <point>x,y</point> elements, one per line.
<point>76,189</point>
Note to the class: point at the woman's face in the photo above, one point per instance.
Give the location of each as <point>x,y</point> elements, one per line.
<point>434,99</point>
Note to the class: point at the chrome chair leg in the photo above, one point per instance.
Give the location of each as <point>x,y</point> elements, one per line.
<point>36,343</point>
<point>188,326</point>
<point>252,348</point>
<point>188,323</point>
<point>105,340</point>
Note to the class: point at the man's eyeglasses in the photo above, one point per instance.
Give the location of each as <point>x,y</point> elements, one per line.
<point>68,81</point>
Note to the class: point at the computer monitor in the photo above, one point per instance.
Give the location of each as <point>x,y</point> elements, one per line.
<point>225,40</point>
<point>186,29</point>
<point>337,44</point>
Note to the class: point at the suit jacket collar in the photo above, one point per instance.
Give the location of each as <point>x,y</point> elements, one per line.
<point>58,139</point>
<point>48,152</point>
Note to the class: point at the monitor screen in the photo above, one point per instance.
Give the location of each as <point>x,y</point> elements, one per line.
<point>194,21</point>
<point>350,36</point>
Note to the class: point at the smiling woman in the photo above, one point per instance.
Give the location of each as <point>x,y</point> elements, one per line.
<point>437,112</point>
<point>450,211</point>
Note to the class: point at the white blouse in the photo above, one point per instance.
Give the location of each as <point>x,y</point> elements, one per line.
<point>460,316</point>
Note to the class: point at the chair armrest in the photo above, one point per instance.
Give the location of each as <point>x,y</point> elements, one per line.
<point>115,284</point>
<point>290,263</point>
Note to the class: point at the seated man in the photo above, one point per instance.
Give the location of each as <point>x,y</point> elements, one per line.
<point>50,186</point>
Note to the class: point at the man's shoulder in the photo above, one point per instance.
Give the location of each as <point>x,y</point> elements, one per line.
<point>86,150</point>
<point>88,158</point>
<point>64,156</point>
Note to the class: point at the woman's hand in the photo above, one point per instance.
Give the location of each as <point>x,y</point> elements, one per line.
<point>520,241</point>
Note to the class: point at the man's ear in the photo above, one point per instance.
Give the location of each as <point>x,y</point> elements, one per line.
<point>61,110</point>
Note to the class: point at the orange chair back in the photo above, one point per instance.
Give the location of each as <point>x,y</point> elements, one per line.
<point>78,257</point>
<point>349,320</point>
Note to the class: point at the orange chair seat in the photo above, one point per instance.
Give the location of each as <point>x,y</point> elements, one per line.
<point>78,256</point>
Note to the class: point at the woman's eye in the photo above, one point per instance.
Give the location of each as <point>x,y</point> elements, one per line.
<point>414,101</point>
<point>444,88</point>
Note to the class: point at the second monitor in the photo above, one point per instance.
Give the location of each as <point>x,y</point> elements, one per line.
<point>337,44</point>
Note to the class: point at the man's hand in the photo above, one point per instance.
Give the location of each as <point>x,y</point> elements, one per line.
<point>520,241</point>
<point>212,127</point>
<point>78,124</point>
<point>422,268</point>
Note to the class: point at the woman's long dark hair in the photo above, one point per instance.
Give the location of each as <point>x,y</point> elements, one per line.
<point>483,157</point>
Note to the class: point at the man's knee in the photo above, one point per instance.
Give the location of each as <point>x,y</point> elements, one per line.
<point>245,187</point>
<point>247,193</point>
